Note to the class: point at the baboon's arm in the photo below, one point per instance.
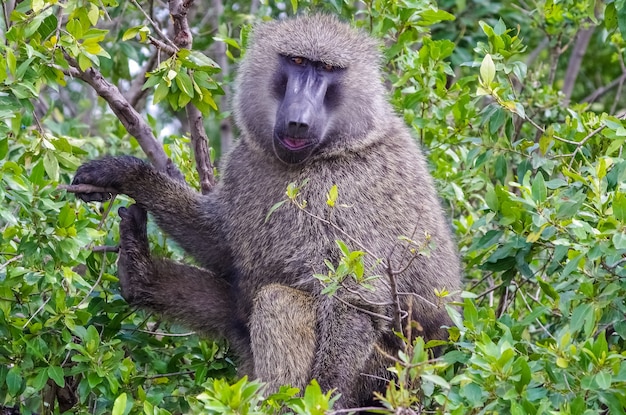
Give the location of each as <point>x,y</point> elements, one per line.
<point>198,298</point>
<point>188,217</point>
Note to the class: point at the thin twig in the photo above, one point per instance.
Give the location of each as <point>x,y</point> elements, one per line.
<point>156,27</point>
<point>165,47</point>
<point>338,229</point>
<point>95,284</point>
<point>159,333</point>
<point>15,258</point>
<point>364,310</point>
<point>165,375</point>
<point>603,90</point>
<point>618,94</point>
<point>395,299</point>
<point>351,410</point>
<point>424,299</point>
<point>36,312</point>
<point>531,309</point>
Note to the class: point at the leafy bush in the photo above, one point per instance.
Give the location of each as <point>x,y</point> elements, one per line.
<point>520,110</point>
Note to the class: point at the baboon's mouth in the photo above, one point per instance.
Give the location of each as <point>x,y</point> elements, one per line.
<point>295,144</point>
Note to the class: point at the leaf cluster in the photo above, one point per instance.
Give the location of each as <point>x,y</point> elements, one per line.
<point>530,167</point>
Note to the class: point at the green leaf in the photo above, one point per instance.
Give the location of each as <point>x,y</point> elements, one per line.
<point>51,165</point>
<point>40,380</point>
<point>4,147</point>
<point>92,339</point>
<point>580,314</point>
<point>619,240</point>
<point>487,70</point>
<point>610,17</point>
<point>430,17</point>
<point>500,168</point>
<point>84,62</point>
<point>119,406</point>
<point>152,80</point>
<point>274,209</point>
<point>14,380</point>
<point>331,196</point>
<point>160,93</point>
<point>184,83</point>
<point>619,206</point>
<point>343,247</point>
<point>56,374</point>
<point>547,289</point>
<point>66,216</point>
<point>48,26</point>
<point>131,33</point>
<point>604,379</point>
<point>93,14</point>
<point>571,265</point>
<point>539,190</point>
<point>37,5</point>
<point>197,60</point>
<point>11,62</point>
<point>491,198</point>
<point>75,28</point>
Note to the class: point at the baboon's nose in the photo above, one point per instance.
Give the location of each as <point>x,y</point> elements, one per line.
<point>297,128</point>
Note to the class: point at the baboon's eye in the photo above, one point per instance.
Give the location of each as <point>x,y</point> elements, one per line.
<point>327,67</point>
<point>298,60</point>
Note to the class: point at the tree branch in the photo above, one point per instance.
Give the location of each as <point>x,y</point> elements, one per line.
<point>199,139</point>
<point>219,51</point>
<point>603,90</point>
<point>156,28</point>
<point>200,143</point>
<point>136,92</point>
<point>573,67</point>
<point>131,119</point>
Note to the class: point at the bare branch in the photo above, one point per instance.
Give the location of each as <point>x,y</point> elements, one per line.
<point>105,249</point>
<point>603,90</point>
<point>128,116</point>
<point>573,67</point>
<point>162,45</point>
<point>199,139</point>
<point>170,45</point>
<point>182,32</point>
<point>397,312</point>
<point>85,188</point>
<point>136,92</point>
<point>219,51</point>
<point>363,310</point>
<point>15,258</point>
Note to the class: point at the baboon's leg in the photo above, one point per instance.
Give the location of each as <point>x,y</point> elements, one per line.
<point>282,332</point>
<point>193,296</point>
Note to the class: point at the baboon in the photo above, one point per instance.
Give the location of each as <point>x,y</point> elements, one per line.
<point>311,106</point>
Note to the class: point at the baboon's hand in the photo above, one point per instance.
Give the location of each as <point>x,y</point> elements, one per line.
<point>134,264</point>
<point>111,173</point>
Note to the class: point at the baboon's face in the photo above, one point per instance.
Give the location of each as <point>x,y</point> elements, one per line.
<point>306,91</point>
<point>309,88</point>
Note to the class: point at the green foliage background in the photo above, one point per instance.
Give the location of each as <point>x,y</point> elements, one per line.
<point>529,165</point>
